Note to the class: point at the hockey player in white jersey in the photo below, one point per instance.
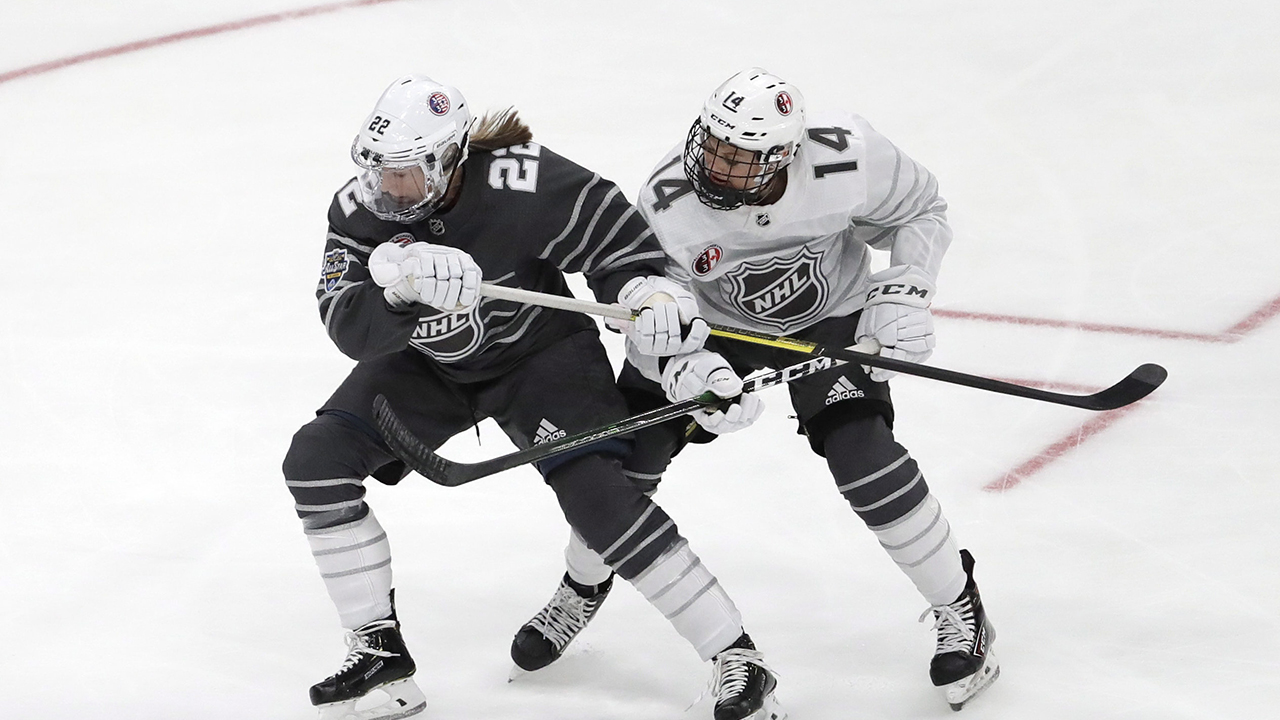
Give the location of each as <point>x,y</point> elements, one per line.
<point>769,215</point>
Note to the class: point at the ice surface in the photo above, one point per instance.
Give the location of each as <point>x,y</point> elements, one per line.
<point>162,216</point>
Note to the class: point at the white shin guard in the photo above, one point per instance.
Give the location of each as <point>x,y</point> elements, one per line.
<point>922,545</point>
<point>355,563</point>
<point>688,595</point>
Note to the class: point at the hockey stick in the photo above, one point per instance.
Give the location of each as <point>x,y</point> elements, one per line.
<point>1130,389</point>
<point>423,459</point>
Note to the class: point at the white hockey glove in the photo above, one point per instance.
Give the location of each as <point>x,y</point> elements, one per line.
<point>897,316</point>
<point>443,277</point>
<point>668,323</point>
<point>691,375</point>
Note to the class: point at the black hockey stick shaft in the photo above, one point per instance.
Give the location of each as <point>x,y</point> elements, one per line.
<point>1130,389</point>
<point>417,455</point>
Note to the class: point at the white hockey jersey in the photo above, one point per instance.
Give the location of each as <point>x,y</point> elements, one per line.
<point>783,267</point>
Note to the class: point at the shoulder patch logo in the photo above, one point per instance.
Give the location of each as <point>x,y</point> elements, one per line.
<point>439,103</point>
<point>402,239</point>
<point>335,267</point>
<point>783,102</point>
<point>780,292</point>
<point>707,260</point>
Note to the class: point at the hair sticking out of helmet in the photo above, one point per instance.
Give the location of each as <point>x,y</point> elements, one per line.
<point>749,130</point>
<point>409,147</point>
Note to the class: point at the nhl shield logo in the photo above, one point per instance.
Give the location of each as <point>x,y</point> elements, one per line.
<point>436,226</point>
<point>448,337</point>
<point>782,293</point>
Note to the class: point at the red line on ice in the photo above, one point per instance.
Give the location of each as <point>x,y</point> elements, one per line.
<point>1089,429</point>
<point>184,35</point>
<point>1232,334</point>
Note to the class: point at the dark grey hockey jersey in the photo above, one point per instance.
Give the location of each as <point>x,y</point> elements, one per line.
<point>526,215</point>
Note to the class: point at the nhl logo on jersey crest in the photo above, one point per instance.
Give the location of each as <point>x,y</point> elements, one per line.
<point>448,337</point>
<point>782,293</point>
<point>439,103</point>
<point>707,259</point>
<point>436,226</point>
<point>762,219</point>
<point>335,266</point>
<point>783,102</point>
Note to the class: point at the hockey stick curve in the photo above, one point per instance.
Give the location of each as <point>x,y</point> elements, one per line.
<point>417,455</point>
<point>1130,389</point>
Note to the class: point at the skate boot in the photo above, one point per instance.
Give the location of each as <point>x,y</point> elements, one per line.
<point>963,664</point>
<point>743,685</point>
<point>377,665</point>
<point>543,639</point>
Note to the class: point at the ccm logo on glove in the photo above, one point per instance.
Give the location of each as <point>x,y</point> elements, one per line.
<point>883,291</point>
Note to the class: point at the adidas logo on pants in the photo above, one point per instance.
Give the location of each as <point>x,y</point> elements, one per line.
<point>843,390</point>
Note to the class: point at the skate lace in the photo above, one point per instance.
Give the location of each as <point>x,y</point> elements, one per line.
<point>954,624</point>
<point>730,673</point>
<point>563,617</point>
<point>357,645</point>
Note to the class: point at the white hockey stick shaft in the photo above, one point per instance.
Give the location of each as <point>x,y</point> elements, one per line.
<point>530,297</point>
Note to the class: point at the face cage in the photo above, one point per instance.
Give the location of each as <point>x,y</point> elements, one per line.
<point>758,172</point>
<point>388,206</point>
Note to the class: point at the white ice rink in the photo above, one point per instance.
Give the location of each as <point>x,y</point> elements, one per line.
<point>1112,169</point>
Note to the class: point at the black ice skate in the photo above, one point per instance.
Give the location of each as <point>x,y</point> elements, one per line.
<point>377,665</point>
<point>743,685</point>
<point>543,639</point>
<point>963,664</point>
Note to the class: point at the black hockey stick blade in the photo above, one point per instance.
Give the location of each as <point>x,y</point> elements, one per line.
<point>1132,388</point>
<point>445,472</point>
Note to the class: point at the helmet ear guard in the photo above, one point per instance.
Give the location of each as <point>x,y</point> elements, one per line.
<point>749,129</point>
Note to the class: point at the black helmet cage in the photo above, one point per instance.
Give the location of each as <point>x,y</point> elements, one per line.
<point>760,171</point>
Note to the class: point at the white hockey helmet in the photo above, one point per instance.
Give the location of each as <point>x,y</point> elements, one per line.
<point>749,129</point>
<point>409,147</point>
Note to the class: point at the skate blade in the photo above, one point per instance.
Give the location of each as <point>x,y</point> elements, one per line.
<point>516,673</point>
<point>403,699</point>
<point>963,691</point>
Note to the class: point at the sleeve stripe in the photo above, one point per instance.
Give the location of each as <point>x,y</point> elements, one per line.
<point>573,219</point>
<point>893,188</point>
<point>343,240</point>
<point>333,302</point>
<point>622,258</point>
<point>567,262</point>
<point>588,264</point>
<point>909,195</point>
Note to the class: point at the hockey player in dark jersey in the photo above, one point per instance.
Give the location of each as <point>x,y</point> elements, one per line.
<point>438,206</point>
<point>768,214</point>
